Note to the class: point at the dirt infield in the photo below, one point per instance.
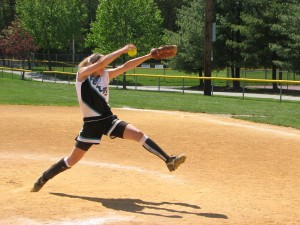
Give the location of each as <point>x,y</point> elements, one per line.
<point>236,172</point>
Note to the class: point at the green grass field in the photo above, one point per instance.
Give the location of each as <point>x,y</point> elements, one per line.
<point>287,113</point>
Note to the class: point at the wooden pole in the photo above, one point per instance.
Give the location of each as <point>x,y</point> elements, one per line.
<point>207,46</point>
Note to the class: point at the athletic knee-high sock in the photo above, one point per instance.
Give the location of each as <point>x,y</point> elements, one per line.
<point>55,169</point>
<point>152,147</point>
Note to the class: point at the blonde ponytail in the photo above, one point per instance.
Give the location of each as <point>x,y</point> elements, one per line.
<point>90,60</point>
<point>83,63</point>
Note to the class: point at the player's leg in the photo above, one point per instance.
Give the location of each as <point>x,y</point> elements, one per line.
<point>77,153</point>
<point>128,131</point>
<point>89,135</point>
<point>132,133</point>
<point>62,165</point>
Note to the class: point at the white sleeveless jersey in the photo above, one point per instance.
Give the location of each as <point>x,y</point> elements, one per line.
<point>93,96</point>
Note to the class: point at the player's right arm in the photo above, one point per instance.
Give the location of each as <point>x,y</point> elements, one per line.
<point>128,66</point>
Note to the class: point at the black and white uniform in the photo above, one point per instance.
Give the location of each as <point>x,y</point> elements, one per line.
<point>93,97</point>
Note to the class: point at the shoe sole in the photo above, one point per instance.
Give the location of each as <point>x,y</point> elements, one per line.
<point>178,161</point>
<point>36,189</point>
<point>38,185</point>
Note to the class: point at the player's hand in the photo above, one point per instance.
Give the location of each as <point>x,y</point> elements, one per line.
<point>129,47</point>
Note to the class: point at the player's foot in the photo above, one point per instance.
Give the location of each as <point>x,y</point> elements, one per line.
<point>174,162</point>
<point>38,184</point>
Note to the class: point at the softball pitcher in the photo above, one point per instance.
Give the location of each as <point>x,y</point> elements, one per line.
<point>92,86</point>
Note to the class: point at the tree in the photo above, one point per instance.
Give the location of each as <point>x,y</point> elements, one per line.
<point>264,36</point>
<point>168,10</point>
<point>91,6</point>
<point>189,39</point>
<point>289,49</point>
<point>2,48</point>
<point>53,23</point>
<point>18,43</point>
<point>7,13</point>
<point>121,22</point>
<point>207,46</point>
<point>249,33</point>
<point>227,48</point>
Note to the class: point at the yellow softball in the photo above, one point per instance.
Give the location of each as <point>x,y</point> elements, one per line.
<point>132,52</point>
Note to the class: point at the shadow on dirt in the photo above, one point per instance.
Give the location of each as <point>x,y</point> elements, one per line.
<point>138,206</point>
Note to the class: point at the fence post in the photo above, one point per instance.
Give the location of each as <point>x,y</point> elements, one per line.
<point>135,82</point>
<point>288,78</point>
<point>280,92</point>
<point>212,88</point>
<point>227,76</point>
<point>243,89</point>
<point>158,83</point>
<point>266,76</point>
<point>183,86</point>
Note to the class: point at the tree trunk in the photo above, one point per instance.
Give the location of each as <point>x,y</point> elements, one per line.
<point>232,73</point>
<point>49,61</point>
<point>207,87</point>
<point>207,47</point>
<point>29,64</point>
<point>23,72</point>
<point>275,86</point>
<point>200,73</point>
<point>280,74</point>
<point>124,81</point>
<point>237,83</point>
<point>29,61</point>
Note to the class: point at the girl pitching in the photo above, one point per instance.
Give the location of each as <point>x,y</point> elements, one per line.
<point>92,86</point>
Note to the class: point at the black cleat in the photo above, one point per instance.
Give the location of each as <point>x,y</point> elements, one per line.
<point>38,184</point>
<point>174,162</point>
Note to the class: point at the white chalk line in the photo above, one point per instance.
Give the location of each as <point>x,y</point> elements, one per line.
<point>104,165</point>
<point>259,127</point>
<point>95,221</point>
<point>87,221</point>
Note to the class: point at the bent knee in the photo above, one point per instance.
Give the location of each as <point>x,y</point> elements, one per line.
<point>133,133</point>
<point>139,135</point>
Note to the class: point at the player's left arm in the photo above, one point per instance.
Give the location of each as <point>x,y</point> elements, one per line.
<point>84,72</point>
<point>128,66</point>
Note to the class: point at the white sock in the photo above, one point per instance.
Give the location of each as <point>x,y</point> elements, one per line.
<point>66,162</point>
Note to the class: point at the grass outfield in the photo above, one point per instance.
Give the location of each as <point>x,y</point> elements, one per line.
<point>287,113</point>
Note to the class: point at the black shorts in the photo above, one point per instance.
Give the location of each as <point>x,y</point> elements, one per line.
<point>94,128</point>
